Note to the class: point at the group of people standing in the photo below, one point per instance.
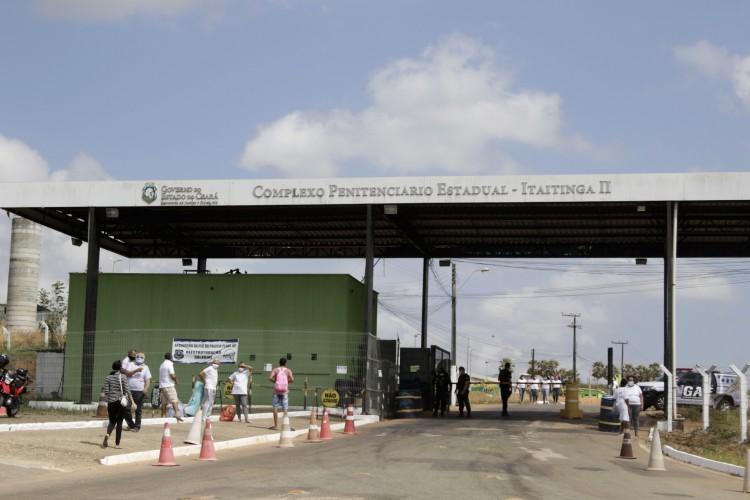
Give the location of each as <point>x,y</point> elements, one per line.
<point>535,385</point>
<point>130,380</point>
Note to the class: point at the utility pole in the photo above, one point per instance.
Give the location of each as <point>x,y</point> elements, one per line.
<point>453,319</point>
<point>574,326</point>
<point>622,355</point>
<point>533,369</point>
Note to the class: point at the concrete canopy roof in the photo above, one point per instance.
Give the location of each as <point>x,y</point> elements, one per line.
<point>461,217</point>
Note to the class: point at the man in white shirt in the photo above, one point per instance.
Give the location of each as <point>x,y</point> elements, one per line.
<point>210,378</point>
<point>139,383</point>
<point>167,382</point>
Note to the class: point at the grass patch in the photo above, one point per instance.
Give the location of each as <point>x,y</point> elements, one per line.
<point>721,441</point>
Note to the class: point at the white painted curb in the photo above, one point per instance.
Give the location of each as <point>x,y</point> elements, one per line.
<point>222,445</point>
<point>734,470</point>
<point>102,422</point>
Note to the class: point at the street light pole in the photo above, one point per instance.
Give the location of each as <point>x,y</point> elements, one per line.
<point>453,318</point>
<point>622,356</point>
<point>454,290</point>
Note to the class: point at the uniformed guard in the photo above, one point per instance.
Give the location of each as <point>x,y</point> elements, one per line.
<point>505,377</point>
<point>442,390</point>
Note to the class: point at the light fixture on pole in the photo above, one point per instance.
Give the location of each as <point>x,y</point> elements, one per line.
<point>454,290</point>
<point>114,261</point>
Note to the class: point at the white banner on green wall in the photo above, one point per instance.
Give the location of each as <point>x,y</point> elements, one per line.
<point>198,351</point>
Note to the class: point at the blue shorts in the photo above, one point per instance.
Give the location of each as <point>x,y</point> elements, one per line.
<point>281,399</point>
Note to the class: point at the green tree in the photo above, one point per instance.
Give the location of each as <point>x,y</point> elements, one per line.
<point>565,374</point>
<point>653,371</point>
<point>547,366</point>
<point>598,370</point>
<point>57,303</point>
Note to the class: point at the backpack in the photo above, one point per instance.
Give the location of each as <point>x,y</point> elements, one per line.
<point>281,384</point>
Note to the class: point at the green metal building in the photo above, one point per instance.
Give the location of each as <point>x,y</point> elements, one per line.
<point>316,321</point>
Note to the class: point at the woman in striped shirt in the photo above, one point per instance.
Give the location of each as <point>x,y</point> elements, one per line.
<point>115,386</point>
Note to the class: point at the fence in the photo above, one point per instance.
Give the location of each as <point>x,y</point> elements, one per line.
<point>348,361</point>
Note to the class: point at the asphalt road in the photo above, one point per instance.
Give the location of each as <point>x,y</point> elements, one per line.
<point>531,455</point>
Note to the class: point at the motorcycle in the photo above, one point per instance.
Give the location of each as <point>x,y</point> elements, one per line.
<point>12,388</point>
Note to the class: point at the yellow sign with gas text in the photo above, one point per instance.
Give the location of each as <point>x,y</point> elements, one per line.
<point>330,398</point>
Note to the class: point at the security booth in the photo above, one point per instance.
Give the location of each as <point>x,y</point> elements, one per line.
<point>417,369</point>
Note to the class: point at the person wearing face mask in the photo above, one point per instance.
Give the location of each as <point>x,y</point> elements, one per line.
<point>634,396</point>
<point>240,379</point>
<point>210,378</point>
<point>129,369</point>
<point>139,384</point>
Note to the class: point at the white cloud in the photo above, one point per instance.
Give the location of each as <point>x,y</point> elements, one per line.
<point>715,62</point>
<point>82,168</point>
<point>708,59</point>
<point>20,163</point>
<point>114,10</point>
<point>451,109</point>
<point>741,80</point>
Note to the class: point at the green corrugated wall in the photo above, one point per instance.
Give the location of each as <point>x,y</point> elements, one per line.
<point>272,315</point>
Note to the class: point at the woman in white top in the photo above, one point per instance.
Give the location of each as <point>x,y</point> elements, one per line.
<point>556,386</point>
<point>621,404</point>
<point>521,387</point>
<point>240,379</point>
<point>545,389</point>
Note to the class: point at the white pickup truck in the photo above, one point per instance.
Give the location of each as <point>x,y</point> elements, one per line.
<point>724,390</point>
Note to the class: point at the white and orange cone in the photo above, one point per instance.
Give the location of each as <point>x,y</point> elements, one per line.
<point>285,439</point>
<point>656,457</point>
<point>312,433</point>
<point>166,455</point>
<point>194,435</point>
<point>207,447</point>
<point>349,425</point>
<point>626,451</point>
<point>325,426</point>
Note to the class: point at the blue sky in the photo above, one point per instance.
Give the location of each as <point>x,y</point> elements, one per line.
<point>214,89</point>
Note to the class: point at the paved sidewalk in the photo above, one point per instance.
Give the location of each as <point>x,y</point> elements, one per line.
<point>75,445</point>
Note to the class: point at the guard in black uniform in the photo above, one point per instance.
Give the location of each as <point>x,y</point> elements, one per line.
<point>462,392</point>
<point>506,386</point>
<point>442,383</point>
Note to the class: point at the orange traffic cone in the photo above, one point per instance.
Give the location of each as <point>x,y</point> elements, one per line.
<point>312,433</point>
<point>166,455</point>
<point>3,412</point>
<point>626,451</point>
<point>101,410</point>
<point>285,439</point>
<point>207,447</point>
<point>349,425</point>
<point>325,426</point>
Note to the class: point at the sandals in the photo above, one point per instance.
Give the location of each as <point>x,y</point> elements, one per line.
<point>106,439</point>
